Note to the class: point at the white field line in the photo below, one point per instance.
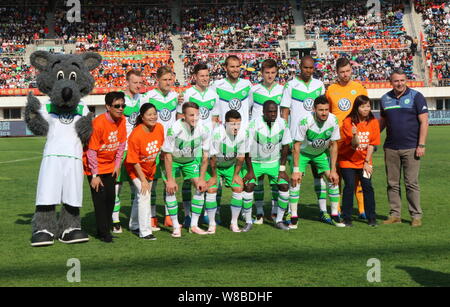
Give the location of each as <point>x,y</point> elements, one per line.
<point>20,160</point>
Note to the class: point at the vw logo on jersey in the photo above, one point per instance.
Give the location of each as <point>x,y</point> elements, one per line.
<point>235,104</point>
<point>165,114</point>
<point>186,152</point>
<point>268,148</point>
<point>319,143</point>
<point>344,104</point>
<point>133,117</point>
<point>229,156</point>
<point>308,104</point>
<point>204,113</point>
<point>66,118</point>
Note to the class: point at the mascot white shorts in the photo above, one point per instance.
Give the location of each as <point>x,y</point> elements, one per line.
<point>60,181</point>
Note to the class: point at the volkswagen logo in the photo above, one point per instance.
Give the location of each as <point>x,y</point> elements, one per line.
<point>165,114</point>
<point>268,148</point>
<point>319,143</point>
<point>344,104</point>
<point>66,118</point>
<point>204,113</point>
<point>132,118</point>
<point>308,104</point>
<point>235,104</point>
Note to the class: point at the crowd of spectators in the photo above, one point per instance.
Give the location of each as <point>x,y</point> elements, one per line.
<point>368,66</point>
<point>350,25</point>
<point>20,26</point>
<point>15,74</point>
<point>112,71</point>
<point>250,65</point>
<point>117,28</point>
<point>234,27</point>
<point>436,25</point>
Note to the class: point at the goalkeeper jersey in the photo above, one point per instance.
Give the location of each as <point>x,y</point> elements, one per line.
<point>299,97</point>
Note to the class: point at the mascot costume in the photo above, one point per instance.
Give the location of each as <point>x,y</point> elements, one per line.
<point>66,121</point>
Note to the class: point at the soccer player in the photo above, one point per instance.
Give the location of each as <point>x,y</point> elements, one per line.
<point>297,102</point>
<point>269,140</point>
<point>206,98</point>
<point>165,100</point>
<point>131,112</point>
<point>233,91</point>
<point>233,94</point>
<point>269,89</point>
<point>186,149</point>
<point>341,96</point>
<point>314,135</point>
<point>227,154</point>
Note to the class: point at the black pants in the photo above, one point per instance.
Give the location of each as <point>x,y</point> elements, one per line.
<point>349,175</point>
<point>104,201</point>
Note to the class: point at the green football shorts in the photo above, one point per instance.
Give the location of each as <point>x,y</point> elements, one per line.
<point>270,169</point>
<point>322,162</point>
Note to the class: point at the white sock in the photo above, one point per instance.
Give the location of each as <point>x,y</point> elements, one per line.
<point>175,222</point>
<point>280,214</point>
<point>323,204</point>
<point>115,217</point>
<point>334,209</point>
<point>194,220</point>
<point>235,215</point>
<point>293,207</point>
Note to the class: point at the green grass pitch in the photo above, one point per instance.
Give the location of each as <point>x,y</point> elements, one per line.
<point>315,254</point>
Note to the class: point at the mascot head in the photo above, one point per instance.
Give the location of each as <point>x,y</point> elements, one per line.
<point>65,78</point>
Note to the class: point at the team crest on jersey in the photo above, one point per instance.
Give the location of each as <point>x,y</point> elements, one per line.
<point>229,156</point>
<point>165,115</point>
<point>186,152</point>
<point>344,104</point>
<point>308,104</point>
<point>204,113</point>
<point>319,143</point>
<point>235,104</point>
<point>66,118</point>
<point>353,92</point>
<point>268,148</point>
<point>407,101</point>
<point>133,117</point>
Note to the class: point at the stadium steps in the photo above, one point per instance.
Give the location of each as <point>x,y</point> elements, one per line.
<point>411,30</point>
<point>176,53</point>
<point>321,45</point>
<point>299,22</point>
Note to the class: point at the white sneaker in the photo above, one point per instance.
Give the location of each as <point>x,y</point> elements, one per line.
<point>211,230</point>
<point>234,228</point>
<point>156,229</point>
<point>176,233</point>
<point>292,226</point>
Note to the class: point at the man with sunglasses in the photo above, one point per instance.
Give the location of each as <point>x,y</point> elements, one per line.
<point>102,160</point>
